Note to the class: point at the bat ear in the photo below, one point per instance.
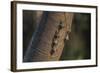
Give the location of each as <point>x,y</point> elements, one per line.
<point>67,37</point>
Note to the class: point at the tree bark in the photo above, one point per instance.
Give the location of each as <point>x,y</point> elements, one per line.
<point>48,40</point>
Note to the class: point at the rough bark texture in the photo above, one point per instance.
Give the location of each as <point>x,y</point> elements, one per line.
<point>48,40</point>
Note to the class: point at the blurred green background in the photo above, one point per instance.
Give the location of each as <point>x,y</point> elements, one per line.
<point>79,44</point>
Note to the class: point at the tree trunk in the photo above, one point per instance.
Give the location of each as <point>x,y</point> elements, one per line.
<point>48,40</point>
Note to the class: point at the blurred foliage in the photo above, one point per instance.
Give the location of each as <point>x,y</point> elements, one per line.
<point>78,46</point>
<point>28,27</point>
